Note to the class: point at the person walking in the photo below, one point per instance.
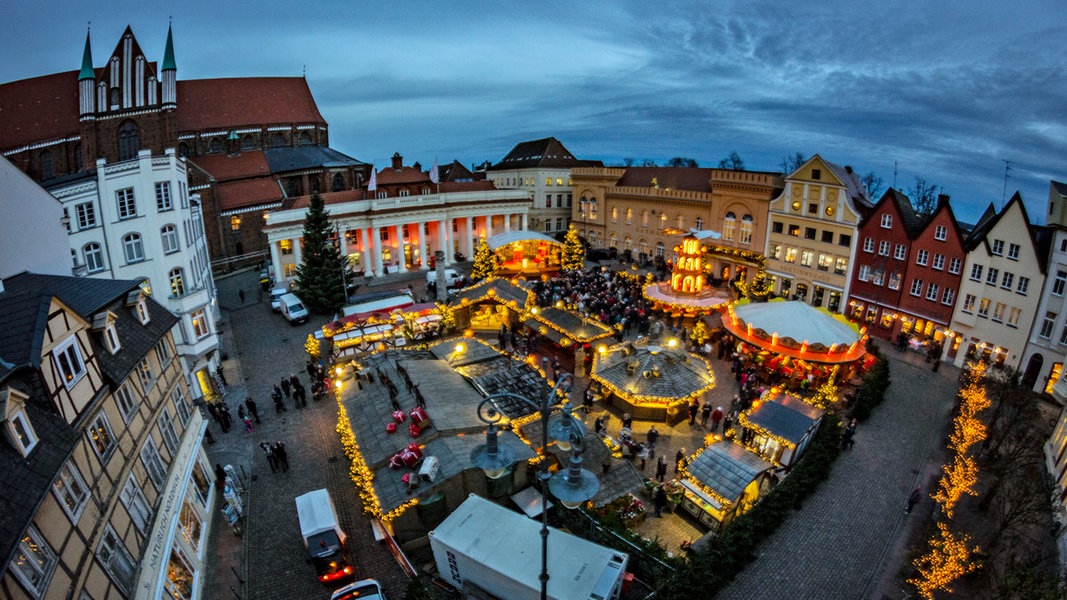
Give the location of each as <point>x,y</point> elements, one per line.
<point>914,498</point>
<point>271,459</point>
<point>643,455</point>
<point>299,395</point>
<point>694,408</point>
<point>250,404</point>
<point>598,425</point>
<point>241,296</point>
<point>705,414</point>
<point>653,437</point>
<point>283,458</point>
<point>286,388</point>
<point>226,418</point>
<point>716,418</point>
<point>848,437</point>
<point>660,500</point>
<point>279,404</point>
<point>661,468</point>
<point>679,460</point>
<point>248,423</point>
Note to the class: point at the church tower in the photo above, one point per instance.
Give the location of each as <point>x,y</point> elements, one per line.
<point>86,81</point>
<point>170,75</point>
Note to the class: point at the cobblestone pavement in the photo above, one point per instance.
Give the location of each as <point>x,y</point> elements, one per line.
<point>843,543</point>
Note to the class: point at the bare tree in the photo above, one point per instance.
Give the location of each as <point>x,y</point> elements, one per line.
<point>648,162</point>
<point>628,161</point>
<point>873,185</point>
<point>733,162</point>
<point>679,161</point>
<point>792,162</point>
<point>924,196</point>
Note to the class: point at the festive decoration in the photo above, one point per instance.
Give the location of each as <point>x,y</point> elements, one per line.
<point>759,289</point>
<point>687,277</point>
<point>311,346</point>
<point>826,394</point>
<point>949,559</point>
<point>700,333</point>
<point>485,263</point>
<point>573,258</point>
<point>321,274</point>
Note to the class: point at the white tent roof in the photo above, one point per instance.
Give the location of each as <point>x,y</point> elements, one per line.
<point>797,320</point>
<point>503,239</point>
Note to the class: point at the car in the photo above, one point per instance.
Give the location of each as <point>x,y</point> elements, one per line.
<point>275,294</point>
<point>266,279</point>
<point>367,589</point>
<point>293,309</point>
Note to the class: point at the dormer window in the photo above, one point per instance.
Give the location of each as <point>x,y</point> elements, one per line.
<point>105,324</point>
<point>17,427</point>
<point>69,361</point>
<point>382,194</point>
<point>136,301</point>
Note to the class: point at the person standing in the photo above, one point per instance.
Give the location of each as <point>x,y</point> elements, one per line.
<point>250,404</point>
<point>248,423</point>
<point>679,460</point>
<point>285,386</point>
<point>271,459</point>
<point>661,468</point>
<point>220,476</point>
<point>299,395</point>
<point>716,418</point>
<point>598,425</point>
<point>660,500</point>
<point>694,408</point>
<point>643,455</point>
<point>914,498</point>
<point>276,395</point>
<point>705,414</point>
<point>294,380</point>
<point>653,437</point>
<point>848,437</point>
<point>226,418</point>
<point>627,421</point>
<point>283,458</point>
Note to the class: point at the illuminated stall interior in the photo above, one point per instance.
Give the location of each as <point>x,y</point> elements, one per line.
<point>526,253</point>
<point>779,427</point>
<point>490,303</point>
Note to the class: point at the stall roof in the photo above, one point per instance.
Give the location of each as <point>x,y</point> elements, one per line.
<point>653,371</point>
<point>497,288</point>
<point>559,323</point>
<point>785,417</point>
<point>727,468</point>
<point>508,237</point>
<point>798,321</point>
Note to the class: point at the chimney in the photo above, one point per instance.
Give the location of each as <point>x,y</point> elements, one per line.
<point>848,169</point>
<point>398,161</point>
<point>417,166</point>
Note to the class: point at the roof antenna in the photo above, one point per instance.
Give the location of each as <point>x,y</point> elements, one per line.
<point>1007,169</point>
<point>895,175</point>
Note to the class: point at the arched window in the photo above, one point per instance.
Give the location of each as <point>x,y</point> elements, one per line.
<point>235,223</point>
<point>629,216</point>
<point>132,247</point>
<point>183,149</point>
<point>663,220</point>
<point>305,138</point>
<point>170,238</point>
<point>248,142</point>
<point>627,243</point>
<point>729,224</point>
<point>659,249</point>
<point>277,139</point>
<point>699,224</point>
<point>129,140</point>
<point>94,257</point>
<point>613,241</point>
<point>44,164</point>
<point>294,188</point>
<point>177,282</point>
<point>338,183</point>
<point>746,229</point>
<point>680,220</point>
<point>316,185</point>
<point>614,215</point>
<point>592,208</point>
<point>215,146</point>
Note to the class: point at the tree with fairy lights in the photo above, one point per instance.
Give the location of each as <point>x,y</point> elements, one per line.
<point>485,264</point>
<point>573,253</point>
<point>759,289</point>
<point>321,274</point>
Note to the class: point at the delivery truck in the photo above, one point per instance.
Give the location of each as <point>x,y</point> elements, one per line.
<point>323,537</point>
<point>499,551</point>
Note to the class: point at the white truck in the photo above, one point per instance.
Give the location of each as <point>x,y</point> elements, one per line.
<point>323,537</point>
<point>452,278</point>
<point>499,551</point>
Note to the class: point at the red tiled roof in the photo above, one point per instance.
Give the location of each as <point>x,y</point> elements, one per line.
<point>391,176</point>
<point>234,102</point>
<point>676,178</point>
<point>38,109</point>
<point>328,198</point>
<point>466,186</point>
<point>249,192</point>
<point>224,167</point>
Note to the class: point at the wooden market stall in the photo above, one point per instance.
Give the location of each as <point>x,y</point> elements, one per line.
<point>779,427</point>
<point>722,481</point>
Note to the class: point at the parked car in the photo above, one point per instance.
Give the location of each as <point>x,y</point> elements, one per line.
<point>292,308</point>
<point>266,279</point>
<point>367,589</point>
<point>275,294</point>
<point>452,278</point>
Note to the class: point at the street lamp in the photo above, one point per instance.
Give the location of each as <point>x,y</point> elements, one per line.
<point>571,487</point>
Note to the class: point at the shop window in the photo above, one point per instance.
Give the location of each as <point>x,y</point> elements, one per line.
<point>179,582</point>
<point>1053,377</point>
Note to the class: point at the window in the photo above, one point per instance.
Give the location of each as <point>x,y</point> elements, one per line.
<point>559,223</point>
<point>166,427</point>
<point>614,213</point>
<point>44,161</point>
<point>877,276</point>
<point>235,223</point>
<point>827,237</point>
<point>883,248</point>
<point>94,257</point>
<point>939,262</point>
<point>1024,285</point>
<point>1058,285</point>
<point>177,396</point>
<point>976,272</point>
<point>69,361</point>
<point>825,262</point>
<point>136,504</point>
<point>1047,324</point>
<point>776,227</point>
<point>840,266</point>
<point>991,276</point>
<point>931,292</point>
<point>1063,335</point>
<point>968,303</point>
<point>807,258</point>
<point>699,224</point>
<point>729,222</point>
<point>916,287</point>
<point>900,252</point>
<point>983,308</point>
<point>659,249</point>
<point>132,247</point>
<point>776,251</point>
<point>1007,280</point>
<point>1013,251</point>
<point>111,338</point>
<point>129,139</point>
<point>895,279</point>
<point>126,401</point>
<point>887,221</point>
<point>559,200</point>
<point>153,463</point>
<point>116,559</point>
<point>163,352</point>
<point>954,266</point>
<point>200,326</point>
<point>86,215</point>
<point>663,220</point>
<point>809,233</point>
<point>998,312</point>
<point>844,240</point>
<point>746,229</point>
<point>794,230</point>
<point>922,258</point>
<point>1013,316</point>
<point>865,273</point>
<point>177,283</point>
<point>816,174</point>
<point>163,196</point>
<point>99,432</point>
<point>940,233</point>
<point>126,204</point>
<point>71,491</point>
<point>382,194</point>
<point>998,247</point>
<point>34,561</point>
<point>548,200</point>
<point>170,239</point>
<point>629,216</point>
<point>144,371</point>
<point>790,255</point>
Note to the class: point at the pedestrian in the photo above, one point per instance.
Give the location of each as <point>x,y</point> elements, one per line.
<point>627,421</point>
<point>252,410</point>
<point>248,423</point>
<point>694,408</point>
<point>226,418</point>
<point>643,455</point>
<point>598,425</point>
<point>220,476</point>
<point>276,395</point>
<point>653,437</point>
<point>241,411</point>
<point>848,439</point>
<point>705,414</point>
<point>914,498</point>
<point>661,468</point>
<point>299,395</point>
<point>728,420</point>
<point>283,458</point>
<point>716,418</point>
<point>587,399</point>
<point>937,364</point>
<point>286,388</point>
<point>241,295</point>
<point>679,460</point>
<point>271,459</point>
<point>660,500</point>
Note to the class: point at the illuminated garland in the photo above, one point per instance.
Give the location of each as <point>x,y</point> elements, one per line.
<point>535,315</point>
<point>684,471</point>
<point>656,400</point>
<point>950,558</point>
<point>744,421</point>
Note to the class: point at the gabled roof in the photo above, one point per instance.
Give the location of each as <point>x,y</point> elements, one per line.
<point>857,193</point>
<point>727,468</point>
<point>39,109</point>
<point>455,172</point>
<point>247,192</point>
<point>233,102</point>
<point>223,167</point>
<point>1061,188</point>
<point>693,179</point>
<point>295,158</point>
<point>545,153</point>
<point>912,222</point>
<point>980,232</point>
<point>403,175</point>
<point>784,416</point>
<point>943,205</point>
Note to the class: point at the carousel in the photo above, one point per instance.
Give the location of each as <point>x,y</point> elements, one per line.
<point>652,381</point>
<point>686,293</point>
<point>526,254</point>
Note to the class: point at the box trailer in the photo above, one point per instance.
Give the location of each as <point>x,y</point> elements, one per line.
<point>323,537</point>
<point>499,551</point>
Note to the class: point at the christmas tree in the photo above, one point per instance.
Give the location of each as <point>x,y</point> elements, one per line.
<point>485,264</point>
<point>320,275</point>
<point>573,252</point>
<point>759,289</point>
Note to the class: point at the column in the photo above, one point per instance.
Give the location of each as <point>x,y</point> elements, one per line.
<point>364,253</point>
<point>507,223</point>
<point>377,233</point>
<point>488,226</point>
<point>342,240</point>
<point>524,225</point>
<point>470,238</point>
<point>444,239</point>
<point>275,261</point>
<point>424,236</point>
<point>400,268</point>
<point>296,251</point>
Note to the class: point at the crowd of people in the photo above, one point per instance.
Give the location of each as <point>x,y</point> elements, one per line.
<point>612,298</point>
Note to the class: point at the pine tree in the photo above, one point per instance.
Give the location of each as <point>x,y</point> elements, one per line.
<point>485,264</point>
<point>320,276</point>
<point>760,287</point>
<point>573,253</point>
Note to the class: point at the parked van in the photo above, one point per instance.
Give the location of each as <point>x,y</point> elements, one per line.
<point>293,309</point>
<point>323,538</point>
<point>452,278</point>
<point>275,295</point>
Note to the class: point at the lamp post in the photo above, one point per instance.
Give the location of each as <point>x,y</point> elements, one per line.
<point>570,487</point>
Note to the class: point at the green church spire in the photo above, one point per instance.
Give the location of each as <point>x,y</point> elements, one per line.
<point>168,54</point>
<point>87,71</point>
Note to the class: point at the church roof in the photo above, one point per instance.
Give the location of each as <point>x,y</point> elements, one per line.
<point>39,109</point>
<point>295,158</point>
<point>247,192</point>
<point>233,102</point>
<point>223,167</point>
<point>168,52</point>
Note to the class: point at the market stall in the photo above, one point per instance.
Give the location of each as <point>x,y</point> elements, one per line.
<point>488,304</point>
<point>722,481</point>
<point>779,427</point>
<point>526,253</point>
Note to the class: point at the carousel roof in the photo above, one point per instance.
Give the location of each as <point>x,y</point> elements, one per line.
<point>503,239</point>
<point>799,321</point>
<point>666,372</point>
<point>785,417</point>
<point>726,469</point>
<point>560,324</point>
<point>494,287</point>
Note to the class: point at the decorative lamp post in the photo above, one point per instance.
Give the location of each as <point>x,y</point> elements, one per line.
<point>571,487</point>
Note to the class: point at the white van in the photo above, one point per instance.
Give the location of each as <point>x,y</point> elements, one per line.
<point>452,277</point>
<point>275,294</point>
<point>323,537</point>
<point>293,309</point>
